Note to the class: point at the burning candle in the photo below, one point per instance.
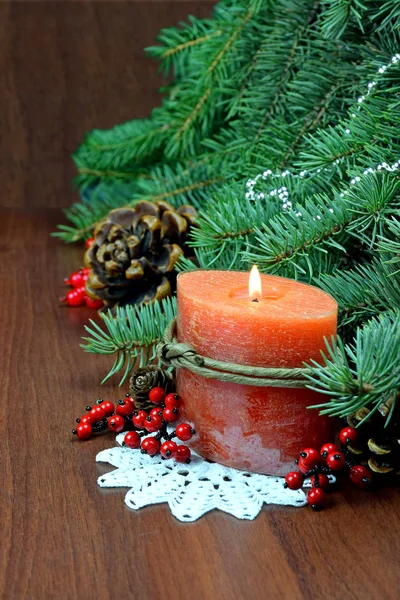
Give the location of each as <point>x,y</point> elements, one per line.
<point>264,321</point>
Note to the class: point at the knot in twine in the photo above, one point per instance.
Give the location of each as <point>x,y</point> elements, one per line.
<point>180,355</point>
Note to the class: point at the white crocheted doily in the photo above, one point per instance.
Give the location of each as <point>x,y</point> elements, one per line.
<point>194,489</point>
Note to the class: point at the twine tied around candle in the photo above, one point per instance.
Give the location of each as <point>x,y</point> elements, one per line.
<point>180,355</point>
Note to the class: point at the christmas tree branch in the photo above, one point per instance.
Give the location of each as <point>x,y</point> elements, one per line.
<point>131,335</point>
<point>185,45</point>
<point>365,373</point>
<point>291,242</point>
<point>339,13</point>
<point>363,292</point>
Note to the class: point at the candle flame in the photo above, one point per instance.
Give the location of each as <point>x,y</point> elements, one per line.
<point>255,287</point>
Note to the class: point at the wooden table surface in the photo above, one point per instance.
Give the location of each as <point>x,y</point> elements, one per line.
<point>66,67</point>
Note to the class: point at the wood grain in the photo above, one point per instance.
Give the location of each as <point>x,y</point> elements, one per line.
<point>66,67</point>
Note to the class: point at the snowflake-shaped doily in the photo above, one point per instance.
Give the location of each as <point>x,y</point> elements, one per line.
<point>194,489</point>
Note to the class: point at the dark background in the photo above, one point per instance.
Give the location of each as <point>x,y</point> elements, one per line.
<point>66,67</point>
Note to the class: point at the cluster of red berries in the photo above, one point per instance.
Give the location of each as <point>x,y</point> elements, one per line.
<point>139,424</point>
<point>318,465</point>
<point>77,296</point>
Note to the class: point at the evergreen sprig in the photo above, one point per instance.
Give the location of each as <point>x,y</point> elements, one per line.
<point>131,334</point>
<point>365,373</point>
<point>94,206</point>
<point>390,244</point>
<point>363,292</point>
<point>338,15</point>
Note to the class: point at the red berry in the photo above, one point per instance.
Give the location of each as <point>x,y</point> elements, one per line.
<point>93,303</point>
<point>320,480</point>
<point>302,466</point>
<point>156,412</point>
<point>89,242</point>
<point>86,270</point>
<point>138,419</point>
<point>316,497</point>
<point>76,279</point>
<point>97,413</point>
<point>129,397</point>
<point>150,446</point>
<point>124,408</point>
<point>169,449</point>
<point>157,395</point>
<point>184,432</point>
<point>172,401</point>
<point>81,291</point>
<point>171,415</point>
<point>348,435</point>
<point>183,454</point>
<point>116,423</point>
<point>361,476</point>
<point>108,407</point>
<point>85,419</point>
<point>336,461</point>
<point>310,457</point>
<point>294,480</point>
<point>327,449</point>
<point>132,439</point>
<point>153,424</point>
<point>83,431</point>
<point>73,298</point>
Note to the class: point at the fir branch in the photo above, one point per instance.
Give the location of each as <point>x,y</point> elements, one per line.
<point>194,114</point>
<point>113,149</point>
<point>370,203</point>
<point>339,13</point>
<point>365,373</point>
<point>189,44</point>
<point>151,190</point>
<point>131,335</point>
<point>226,220</point>
<point>310,124</point>
<point>97,174</point>
<point>95,203</point>
<point>227,46</point>
<point>199,95</point>
<point>159,184</point>
<point>387,16</point>
<point>285,72</point>
<point>372,122</point>
<point>294,242</point>
<point>390,246</point>
<point>227,260</point>
<point>177,44</point>
<point>363,292</point>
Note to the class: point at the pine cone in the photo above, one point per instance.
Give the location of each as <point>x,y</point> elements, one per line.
<point>143,380</point>
<point>134,252</point>
<point>379,446</point>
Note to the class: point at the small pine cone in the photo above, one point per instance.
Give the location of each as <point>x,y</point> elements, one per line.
<point>379,443</point>
<point>134,252</point>
<point>143,380</point>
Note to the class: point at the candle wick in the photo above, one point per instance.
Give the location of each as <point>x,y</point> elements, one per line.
<point>255,300</point>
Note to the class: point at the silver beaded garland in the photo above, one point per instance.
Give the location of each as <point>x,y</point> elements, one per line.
<point>282,192</point>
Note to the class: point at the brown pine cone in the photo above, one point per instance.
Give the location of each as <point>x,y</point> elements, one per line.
<point>132,258</point>
<point>143,380</point>
<point>379,445</point>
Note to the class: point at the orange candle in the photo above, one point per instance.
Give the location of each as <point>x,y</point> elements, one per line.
<point>260,429</point>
